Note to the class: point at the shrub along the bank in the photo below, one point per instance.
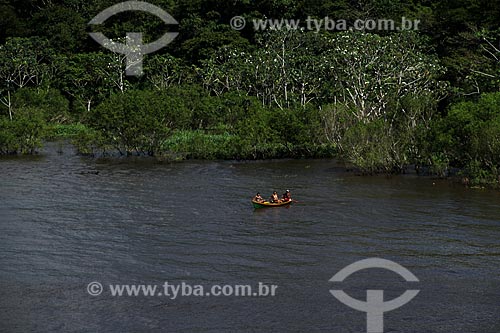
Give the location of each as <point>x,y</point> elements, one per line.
<point>23,134</point>
<point>51,102</point>
<point>138,122</point>
<point>469,138</point>
<point>187,121</point>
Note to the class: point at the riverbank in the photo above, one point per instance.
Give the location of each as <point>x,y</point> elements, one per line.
<point>238,127</point>
<point>190,145</point>
<point>62,140</point>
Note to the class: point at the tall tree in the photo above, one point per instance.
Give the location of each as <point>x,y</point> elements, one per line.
<point>23,62</point>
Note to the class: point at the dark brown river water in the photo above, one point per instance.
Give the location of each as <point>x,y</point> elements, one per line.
<point>62,226</point>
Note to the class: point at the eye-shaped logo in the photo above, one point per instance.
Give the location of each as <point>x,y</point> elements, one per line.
<point>133,49</point>
<point>374,305</point>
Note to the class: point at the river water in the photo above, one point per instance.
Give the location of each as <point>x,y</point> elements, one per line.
<point>67,221</point>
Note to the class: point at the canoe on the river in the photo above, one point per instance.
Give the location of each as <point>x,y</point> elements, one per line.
<point>266,204</point>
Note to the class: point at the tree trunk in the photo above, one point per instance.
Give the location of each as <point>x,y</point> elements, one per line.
<point>9,102</point>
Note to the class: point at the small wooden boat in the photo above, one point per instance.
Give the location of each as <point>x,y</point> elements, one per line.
<point>267,204</point>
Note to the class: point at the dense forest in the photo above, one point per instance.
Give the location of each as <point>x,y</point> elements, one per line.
<point>379,100</point>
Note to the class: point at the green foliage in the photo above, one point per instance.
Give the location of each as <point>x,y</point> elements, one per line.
<point>453,26</point>
<point>369,147</point>
<point>439,164</point>
<point>24,133</point>
<point>84,78</point>
<point>285,69</point>
<point>10,23</point>
<point>63,27</point>
<point>477,175</point>
<point>386,91</point>
<point>208,38</point>
<point>197,107</point>
<point>375,99</point>
<point>87,140</point>
<point>139,121</point>
<point>164,71</point>
<point>58,131</point>
<point>257,138</point>
<point>475,129</point>
<point>24,62</point>
<point>468,137</point>
<point>200,145</point>
<point>54,105</point>
<point>371,72</point>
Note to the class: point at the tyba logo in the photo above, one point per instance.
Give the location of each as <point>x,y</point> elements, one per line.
<point>133,49</point>
<point>375,307</point>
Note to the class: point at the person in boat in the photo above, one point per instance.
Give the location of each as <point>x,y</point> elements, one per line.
<point>258,198</point>
<point>287,196</point>
<point>274,198</point>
